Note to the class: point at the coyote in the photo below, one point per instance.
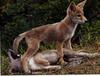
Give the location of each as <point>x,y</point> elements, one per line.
<point>60,32</point>
<point>47,60</point>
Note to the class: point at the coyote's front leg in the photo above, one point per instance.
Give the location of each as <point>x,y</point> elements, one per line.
<point>59,47</point>
<point>67,44</point>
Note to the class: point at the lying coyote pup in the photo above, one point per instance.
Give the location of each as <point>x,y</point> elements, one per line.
<point>48,60</point>
<point>60,32</point>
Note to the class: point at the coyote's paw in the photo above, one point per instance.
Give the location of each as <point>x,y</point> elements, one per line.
<point>62,62</point>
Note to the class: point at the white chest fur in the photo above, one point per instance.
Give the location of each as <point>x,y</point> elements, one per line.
<point>33,64</point>
<point>73,30</point>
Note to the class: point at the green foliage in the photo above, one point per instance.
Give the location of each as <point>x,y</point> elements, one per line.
<point>5,65</point>
<point>90,33</point>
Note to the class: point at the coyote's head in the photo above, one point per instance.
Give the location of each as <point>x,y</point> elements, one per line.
<point>75,12</point>
<point>15,61</point>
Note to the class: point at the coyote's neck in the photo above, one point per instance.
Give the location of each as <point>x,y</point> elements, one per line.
<point>70,24</point>
<point>68,21</point>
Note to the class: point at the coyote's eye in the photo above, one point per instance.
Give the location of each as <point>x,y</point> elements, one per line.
<point>79,15</point>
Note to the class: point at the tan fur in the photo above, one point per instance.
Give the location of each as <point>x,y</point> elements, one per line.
<point>40,60</point>
<point>60,33</point>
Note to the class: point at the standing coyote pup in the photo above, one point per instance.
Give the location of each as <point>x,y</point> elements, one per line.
<point>59,32</point>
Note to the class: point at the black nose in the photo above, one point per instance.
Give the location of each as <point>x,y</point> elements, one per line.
<point>86,21</point>
<point>13,54</point>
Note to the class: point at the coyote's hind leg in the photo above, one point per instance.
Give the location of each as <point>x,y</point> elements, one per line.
<point>33,46</point>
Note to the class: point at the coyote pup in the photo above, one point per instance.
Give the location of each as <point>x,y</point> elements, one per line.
<point>59,32</point>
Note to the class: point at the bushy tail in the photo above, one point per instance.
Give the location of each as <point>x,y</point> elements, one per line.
<point>17,41</point>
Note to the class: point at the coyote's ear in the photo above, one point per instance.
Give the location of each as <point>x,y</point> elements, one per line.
<point>71,8</point>
<point>81,4</point>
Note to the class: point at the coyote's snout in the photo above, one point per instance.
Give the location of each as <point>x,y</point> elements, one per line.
<point>15,61</point>
<point>60,32</point>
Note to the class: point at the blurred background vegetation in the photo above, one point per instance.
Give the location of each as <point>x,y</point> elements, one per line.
<point>18,16</point>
